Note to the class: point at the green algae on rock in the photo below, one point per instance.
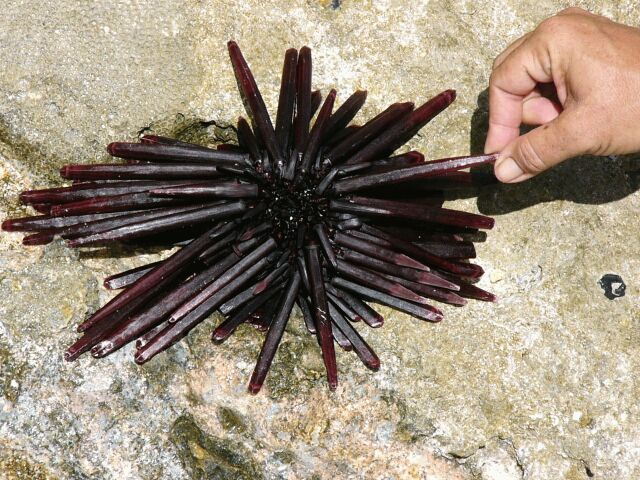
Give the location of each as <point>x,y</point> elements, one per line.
<point>207,457</point>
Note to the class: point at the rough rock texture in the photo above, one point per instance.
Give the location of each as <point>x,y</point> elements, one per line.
<point>542,385</point>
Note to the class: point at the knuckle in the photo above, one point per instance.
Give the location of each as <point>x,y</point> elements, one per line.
<point>568,24</point>
<point>573,11</point>
<point>530,159</point>
<point>492,76</point>
<point>553,26</point>
<point>495,64</point>
<point>493,80</point>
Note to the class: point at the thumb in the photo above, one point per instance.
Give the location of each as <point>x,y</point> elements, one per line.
<point>539,150</point>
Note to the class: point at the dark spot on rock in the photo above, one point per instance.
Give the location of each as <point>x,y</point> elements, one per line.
<point>286,457</point>
<point>588,471</point>
<point>335,4</point>
<point>613,286</point>
<point>143,130</point>
<point>231,420</point>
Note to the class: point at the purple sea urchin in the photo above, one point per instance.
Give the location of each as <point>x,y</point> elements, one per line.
<point>323,217</point>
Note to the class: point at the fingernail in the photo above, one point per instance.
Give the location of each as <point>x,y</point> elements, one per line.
<point>507,170</point>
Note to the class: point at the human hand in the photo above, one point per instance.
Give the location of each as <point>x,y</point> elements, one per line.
<point>577,76</point>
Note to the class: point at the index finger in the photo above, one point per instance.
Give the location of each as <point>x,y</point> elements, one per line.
<point>511,81</point>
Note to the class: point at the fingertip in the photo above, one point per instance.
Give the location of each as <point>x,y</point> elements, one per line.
<point>522,178</point>
<point>499,136</point>
<point>506,169</point>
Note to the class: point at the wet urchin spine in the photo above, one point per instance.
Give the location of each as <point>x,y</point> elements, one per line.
<point>322,216</point>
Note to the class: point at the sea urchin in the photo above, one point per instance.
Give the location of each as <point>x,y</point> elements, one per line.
<point>324,217</point>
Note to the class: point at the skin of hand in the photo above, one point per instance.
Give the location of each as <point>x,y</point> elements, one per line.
<point>576,76</point>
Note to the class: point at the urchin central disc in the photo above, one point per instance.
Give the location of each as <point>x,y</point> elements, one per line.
<point>292,207</point>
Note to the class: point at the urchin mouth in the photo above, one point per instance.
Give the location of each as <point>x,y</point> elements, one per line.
<point>292,207</point>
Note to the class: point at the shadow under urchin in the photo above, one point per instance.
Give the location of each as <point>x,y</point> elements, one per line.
<point>322,216</point>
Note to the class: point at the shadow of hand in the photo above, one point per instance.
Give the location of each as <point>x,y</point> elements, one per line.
<point>587,179</point>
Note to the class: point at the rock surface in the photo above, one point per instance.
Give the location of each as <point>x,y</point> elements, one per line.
<point>542,385</point>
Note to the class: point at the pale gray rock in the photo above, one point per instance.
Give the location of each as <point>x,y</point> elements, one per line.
<point>542,385</point>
